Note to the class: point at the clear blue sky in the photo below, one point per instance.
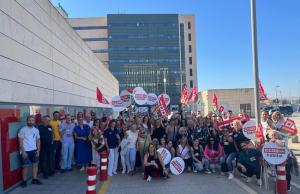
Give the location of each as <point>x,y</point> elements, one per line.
<point>224,38</point>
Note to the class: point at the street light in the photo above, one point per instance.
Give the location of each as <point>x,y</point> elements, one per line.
<point>255,61</point>
<point>165,80</point>
<point>298,91</point>
<point>276,89</point>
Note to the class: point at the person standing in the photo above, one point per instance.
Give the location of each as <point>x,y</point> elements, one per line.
<point>29,143</point>
<point>112,138</point>
<point>46,155</point>
<point>132,136</point>
<point>55,124</point>
<point>83,149</point>
<point>66,130</point>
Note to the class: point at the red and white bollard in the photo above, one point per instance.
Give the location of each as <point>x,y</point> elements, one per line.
<point>281,183</point>
<point>103,166</point>
<point>91,180</point>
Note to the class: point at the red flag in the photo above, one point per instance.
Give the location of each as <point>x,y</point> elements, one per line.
<point>184,95</point>
<point>215,101</point>
<point>162,107</point>
<point>193,95</point>
<point>101,99</point>
<point>261,91</point>
<point>289,127</point>
<point>259,134</point>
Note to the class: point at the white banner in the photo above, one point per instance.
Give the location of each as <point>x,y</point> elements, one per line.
<point>117,104</point>
<point>139,95</point>
<point>249,129</point>
<point>274,154</point>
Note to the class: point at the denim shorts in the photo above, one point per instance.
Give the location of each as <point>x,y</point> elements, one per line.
<point>31,158</point>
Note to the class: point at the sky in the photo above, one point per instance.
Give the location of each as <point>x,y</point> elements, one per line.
<point>223,38</point>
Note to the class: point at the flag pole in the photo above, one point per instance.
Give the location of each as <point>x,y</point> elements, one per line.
<point>255,61</point>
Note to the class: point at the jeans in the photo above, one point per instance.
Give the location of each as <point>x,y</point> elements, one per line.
<point>229,160</point>
<point>213,165</point>
<point>56,154</point>
<point>250,171</point>
<point>112,160</point>
<point>46,156</point>
<point>67,155</point>
<point>198,166</point>
<point>130,158</point>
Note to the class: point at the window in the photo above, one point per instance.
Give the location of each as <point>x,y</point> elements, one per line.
<point>246,108</point>
<point>89,27</point>
<point>190,37</point>
<point>191,72</point>
<point>191,84</point>
<point>190,60</point>
<point>189,25</point>
<point>190,48</point>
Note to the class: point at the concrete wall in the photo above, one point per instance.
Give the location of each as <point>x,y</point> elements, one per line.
<point>185,19</point>
<point>43,60</point>
<point>93,33</point>
<point>231,99</point>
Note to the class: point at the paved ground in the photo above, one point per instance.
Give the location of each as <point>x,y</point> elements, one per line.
<point>75,183</point>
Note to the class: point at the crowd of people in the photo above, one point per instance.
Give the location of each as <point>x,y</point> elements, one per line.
<point>206,148</point>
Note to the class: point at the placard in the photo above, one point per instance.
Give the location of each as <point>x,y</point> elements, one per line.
<point>249,129</point>
<point>117,104</point>
<point>151,99</point>
<point>165,155</point>
<point>274,154</point>
<point>126,98</point>
<point>177,166</point>
<point>139,95</point>
<point>166,97</point>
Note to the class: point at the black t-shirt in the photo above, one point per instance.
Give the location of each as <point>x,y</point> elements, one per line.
<point>46,135</point>
<point>239,137</point>
<point>227,146</point>
<point>158,133</point>
<point>112,138</point>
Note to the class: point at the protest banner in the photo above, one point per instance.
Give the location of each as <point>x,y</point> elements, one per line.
<point>227,123</point>
<point>165,155</point>
<point>163,110</point>
<point>117,104</point>
<point>139,95</point>
<point>166,97</point>
<point>249,129</point>
<point>152,99</point>
<point>126,98</point>
<point>177,165</point>
<point>289,127</point>
<point>274,154</point>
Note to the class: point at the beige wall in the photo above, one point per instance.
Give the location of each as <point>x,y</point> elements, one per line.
<point>94,33</point>
<point>43,60</point>
<point>231,99</point>
<point>185,19</point>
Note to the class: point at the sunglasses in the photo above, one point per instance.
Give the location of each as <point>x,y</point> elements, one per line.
<point>142,133</point>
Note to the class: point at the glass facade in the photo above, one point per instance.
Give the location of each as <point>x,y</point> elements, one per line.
<point>144,49</point>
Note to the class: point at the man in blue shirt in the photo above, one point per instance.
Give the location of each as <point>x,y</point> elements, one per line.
<point>248,162</point>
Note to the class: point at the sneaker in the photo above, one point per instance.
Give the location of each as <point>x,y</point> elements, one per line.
<point>23,184</point>
<point>195,171</point>
<point>289,188</point>
<point>82,169</point>
<point>259,182</point>
<point>213,171</point>
<point>207,172</point>
<point>110,174</point>
<point>230,176</point>
<point>36,182</point>
<point>222,174</point>
<point>115,172</point>
<point>149,178</point>
<point>123,171</point>
<point>248,179</point>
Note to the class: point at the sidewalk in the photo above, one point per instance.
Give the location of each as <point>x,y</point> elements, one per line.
<point>68,183</point>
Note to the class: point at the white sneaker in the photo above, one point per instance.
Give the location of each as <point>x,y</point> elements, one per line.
<point>149,178</point>
<point>123,171</point>
<point>110,174</point>
<point>222,174</point>
<point>230,176</point>
<point>207,172</point>
<point>213,171</point>
<point>259,182</point>
<point>82,169</point>
<point>115,172</point>
<point>248,179</point>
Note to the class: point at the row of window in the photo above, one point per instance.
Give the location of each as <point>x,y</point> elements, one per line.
<point>94,39</point>
<point>111,61</point>
<point>89,27</point>
<point>145,36</point>
<point>139,24</point>
<point>151,48</point>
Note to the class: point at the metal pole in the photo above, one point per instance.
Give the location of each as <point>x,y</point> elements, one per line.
<point>255,62</point>
<point>165,80</point>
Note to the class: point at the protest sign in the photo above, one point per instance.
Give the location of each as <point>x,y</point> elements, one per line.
<point>177,165</point>
<point>165,155</point>
<point>274,154</point>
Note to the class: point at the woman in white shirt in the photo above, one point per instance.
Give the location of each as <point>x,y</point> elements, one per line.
<point>278,120</point>
<point>132,136</point>
<point>183,151</point>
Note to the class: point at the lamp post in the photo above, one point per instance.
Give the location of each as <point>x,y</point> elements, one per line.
<point>298,91</point>
<point>165,81</point>
<point>255,61</point>
<point>276,90</point>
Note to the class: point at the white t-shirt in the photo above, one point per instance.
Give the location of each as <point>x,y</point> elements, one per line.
<point>29,136</point>
<point>184,152</point>
<point>132,138</point>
